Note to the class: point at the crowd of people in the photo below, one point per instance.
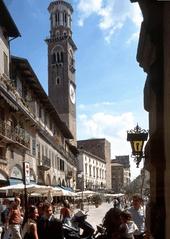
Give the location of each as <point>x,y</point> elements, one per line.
<point>36,222</point>
<point>128,222</point>
<point>40,222</point>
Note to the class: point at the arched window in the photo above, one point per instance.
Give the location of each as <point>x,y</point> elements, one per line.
<point>61,57</point>
<point>63,183</point>
<point>64,18</point>
<point>58,57</point>
<point>59,181</point>
<point>57,17</point>
<point>71,58</point>
<point>57,54</point>
<point>53,58</point>
<point>58,81</point>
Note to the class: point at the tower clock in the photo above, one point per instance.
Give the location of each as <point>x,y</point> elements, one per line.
<point>61,63</point>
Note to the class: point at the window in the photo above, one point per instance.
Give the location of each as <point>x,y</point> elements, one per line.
<point>58,163</point>
<point>90,173</point>
<point>38,149</point>
<point>33,147</point>
<point>97,173</point>
<point>94,172</point>
<point>5,63</point>
<point>53,163</point>
<point>65,19</point>
<point>57,18</point>
<point>58,57</point>
<point>46,151</point>
<point>86,168</point>
<point>53,58</point>
<point>58,81</point>
<point>42,150</point>
<point>61,165</point>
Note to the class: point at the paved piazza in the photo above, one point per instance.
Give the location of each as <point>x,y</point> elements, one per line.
<point>94,215</point>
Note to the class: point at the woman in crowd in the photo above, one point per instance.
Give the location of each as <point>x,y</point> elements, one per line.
<point>65,212</point>
<point>30,227</point>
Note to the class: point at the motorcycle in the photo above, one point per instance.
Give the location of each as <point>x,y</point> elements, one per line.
<point>100,232</point>
<point>78,224</point>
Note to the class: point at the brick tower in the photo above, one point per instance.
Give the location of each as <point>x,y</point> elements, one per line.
<point>61,63</point>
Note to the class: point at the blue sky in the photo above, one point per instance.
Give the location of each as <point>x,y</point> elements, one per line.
<point>109,80</point>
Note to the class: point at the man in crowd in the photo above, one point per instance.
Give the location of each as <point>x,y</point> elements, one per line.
<point>15,219</point>
<point>48,225</point>
<point>137,212</point>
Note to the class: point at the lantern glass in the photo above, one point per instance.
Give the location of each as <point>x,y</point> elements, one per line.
<point>137,137</point>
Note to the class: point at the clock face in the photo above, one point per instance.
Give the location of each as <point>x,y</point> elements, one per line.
<point>72,94</point>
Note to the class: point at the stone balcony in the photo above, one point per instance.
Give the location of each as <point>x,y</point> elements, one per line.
<point>44,164</point>
<point>11,135</point>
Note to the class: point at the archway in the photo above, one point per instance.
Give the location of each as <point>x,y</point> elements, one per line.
<point>16,175</point>
<point>48,180</point>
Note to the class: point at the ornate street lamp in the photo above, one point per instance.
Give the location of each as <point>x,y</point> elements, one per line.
<point>137,136</point>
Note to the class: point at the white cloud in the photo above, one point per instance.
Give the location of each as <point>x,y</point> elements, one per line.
<point>136,15</point>
<point>96,105</point>
<point>113,128</point>
<point>133,37</point>
<point>109,126</point>
<point>112,14</point>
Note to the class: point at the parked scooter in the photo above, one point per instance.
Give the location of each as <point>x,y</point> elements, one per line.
<point>100,232</point>
<point>78,224</point>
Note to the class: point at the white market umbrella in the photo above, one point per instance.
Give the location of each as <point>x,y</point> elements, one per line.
<point>19,186</point>
<point>31,188</point>
<point>57,191</point>
<point>86,193</point>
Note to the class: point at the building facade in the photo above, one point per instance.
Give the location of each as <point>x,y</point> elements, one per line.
<point>91,172</point>
<point>61,63</point>
<point>30,128</point>
<point>153,55</point>
<point>120,171</point>
<point>101,149</point>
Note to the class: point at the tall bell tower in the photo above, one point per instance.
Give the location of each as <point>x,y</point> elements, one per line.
<point>61,63</point>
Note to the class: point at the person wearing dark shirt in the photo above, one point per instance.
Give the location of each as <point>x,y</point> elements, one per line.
<point>50,227</point>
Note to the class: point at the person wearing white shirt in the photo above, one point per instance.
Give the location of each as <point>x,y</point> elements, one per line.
<point>137,212</point>
<point>127,227</point>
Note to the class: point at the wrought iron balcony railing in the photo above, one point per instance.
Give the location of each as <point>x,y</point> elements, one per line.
<point>45,163</point>
<point>16,135</point>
